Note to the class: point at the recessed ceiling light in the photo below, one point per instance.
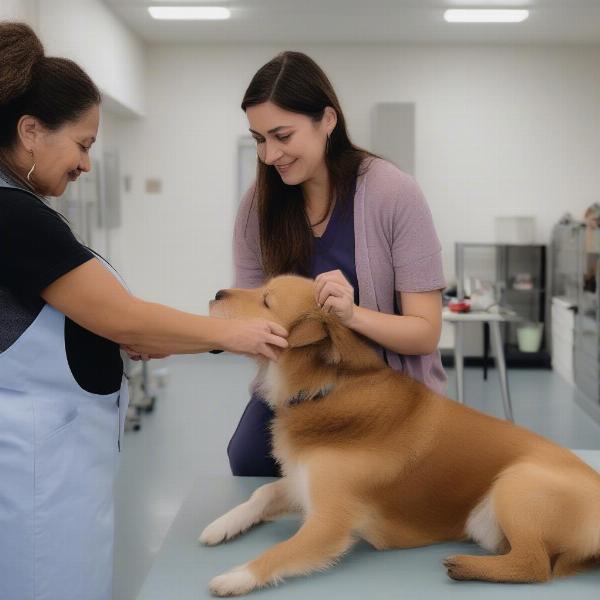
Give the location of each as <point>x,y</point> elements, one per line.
<point>189,12</point>
<point>485,15</point>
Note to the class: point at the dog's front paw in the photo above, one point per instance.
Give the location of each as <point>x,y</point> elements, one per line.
<point>236,582</point>
<point>213,534</point>
<point>224,528</point>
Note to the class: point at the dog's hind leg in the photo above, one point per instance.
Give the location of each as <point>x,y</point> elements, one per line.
<point>266,503</point>
<point>321,540</point>
<point>527,561</point>
<point>523,505</point>
<point>526,564</point>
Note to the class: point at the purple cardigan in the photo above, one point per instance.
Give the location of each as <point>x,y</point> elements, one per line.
<point>396,249</point>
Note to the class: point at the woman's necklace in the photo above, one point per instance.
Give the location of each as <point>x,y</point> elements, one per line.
<point>322,220</point>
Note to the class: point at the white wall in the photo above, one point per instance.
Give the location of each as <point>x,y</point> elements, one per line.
<point>20,10</point>
<point>88,32</point>
<point>500,131</point>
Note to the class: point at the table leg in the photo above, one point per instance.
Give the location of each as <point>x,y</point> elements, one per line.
<point>486,349</point>
<point>501,366</point>
<point>458,361</point>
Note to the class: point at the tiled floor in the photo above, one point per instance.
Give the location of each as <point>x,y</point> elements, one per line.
<point>187,434</point>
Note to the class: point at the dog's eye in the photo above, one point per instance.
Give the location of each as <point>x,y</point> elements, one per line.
<point>265,301</point>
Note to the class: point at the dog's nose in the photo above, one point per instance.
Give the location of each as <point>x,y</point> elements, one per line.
<point>220,295</point>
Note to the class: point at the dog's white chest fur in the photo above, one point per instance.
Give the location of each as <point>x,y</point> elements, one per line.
<point>296,473</point>
<point>298,486</point>
<point>270,384</point>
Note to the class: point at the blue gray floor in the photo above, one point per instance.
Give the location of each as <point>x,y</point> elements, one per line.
<point>187,434</point>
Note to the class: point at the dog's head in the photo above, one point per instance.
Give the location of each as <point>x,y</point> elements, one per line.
<point>290,301</point>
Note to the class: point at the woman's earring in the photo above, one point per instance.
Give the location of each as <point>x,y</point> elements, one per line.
<point>328,144</point>
<point>32,168</point>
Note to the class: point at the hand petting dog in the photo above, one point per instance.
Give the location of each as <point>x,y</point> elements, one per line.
<point>335,295</point>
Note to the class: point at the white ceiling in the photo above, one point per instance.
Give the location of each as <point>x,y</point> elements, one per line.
<point>365,22</point>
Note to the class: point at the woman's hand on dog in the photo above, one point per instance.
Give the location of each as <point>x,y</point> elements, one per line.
<point>254,337</point>
<point>334,294</point>
<point>242,336</point>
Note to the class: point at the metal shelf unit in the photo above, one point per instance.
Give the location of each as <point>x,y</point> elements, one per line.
<point>501,264</point>
<point>575,277</point>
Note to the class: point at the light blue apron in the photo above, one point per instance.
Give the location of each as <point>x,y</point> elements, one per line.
<point>59,449</point>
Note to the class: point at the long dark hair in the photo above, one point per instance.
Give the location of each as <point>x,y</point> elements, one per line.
<point>294,82</point>
<point>54,90</point>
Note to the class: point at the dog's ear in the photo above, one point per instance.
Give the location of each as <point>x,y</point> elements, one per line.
<point>311,328</point>
<point>308,329</point>
<point>341,347</point>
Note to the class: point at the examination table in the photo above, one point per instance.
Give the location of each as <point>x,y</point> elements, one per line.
<point>183,567</point>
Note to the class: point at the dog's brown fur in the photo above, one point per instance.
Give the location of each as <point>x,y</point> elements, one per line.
<point>381,457</point>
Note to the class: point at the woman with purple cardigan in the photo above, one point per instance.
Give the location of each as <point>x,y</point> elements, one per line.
<point>323,208</point>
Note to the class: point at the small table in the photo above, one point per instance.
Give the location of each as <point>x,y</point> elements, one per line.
<point>493,320</point>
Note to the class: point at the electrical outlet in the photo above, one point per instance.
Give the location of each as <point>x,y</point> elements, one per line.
<point>153,186</point>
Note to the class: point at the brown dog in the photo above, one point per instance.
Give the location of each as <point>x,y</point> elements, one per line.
<point>370,453</point>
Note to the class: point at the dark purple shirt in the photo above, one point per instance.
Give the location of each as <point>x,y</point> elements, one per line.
<point>335,248</point>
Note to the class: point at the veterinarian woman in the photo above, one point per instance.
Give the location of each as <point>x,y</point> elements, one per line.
<point>323,208</point>
<point>63,314</point>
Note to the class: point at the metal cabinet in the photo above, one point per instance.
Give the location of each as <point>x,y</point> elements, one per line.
<point>575,274</point>
<point>506,266</point>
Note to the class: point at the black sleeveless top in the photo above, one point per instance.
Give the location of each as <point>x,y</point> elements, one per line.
<point>36,248</point>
